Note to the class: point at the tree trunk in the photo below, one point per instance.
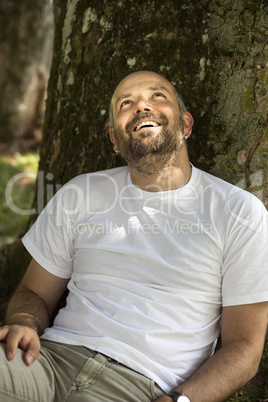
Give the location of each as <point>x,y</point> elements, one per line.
<point>216,52</point>
<point>25,58</point>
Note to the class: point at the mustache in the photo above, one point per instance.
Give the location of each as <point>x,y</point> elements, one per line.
<point>147,115</point>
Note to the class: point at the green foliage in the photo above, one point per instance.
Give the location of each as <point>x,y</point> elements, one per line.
<point>17,185</point>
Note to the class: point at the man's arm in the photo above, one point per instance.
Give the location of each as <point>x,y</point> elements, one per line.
<point>30,310</point>
<point>242,334</point>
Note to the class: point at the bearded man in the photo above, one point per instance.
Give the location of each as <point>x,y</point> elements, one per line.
<point>159,258</point>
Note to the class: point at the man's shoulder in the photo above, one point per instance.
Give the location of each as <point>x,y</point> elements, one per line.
<point>219,185</point>
<point>231,195</point>
<point>206,178</point>
<point>100,176</point>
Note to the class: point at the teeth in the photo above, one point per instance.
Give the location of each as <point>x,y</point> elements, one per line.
<point>147,123</point>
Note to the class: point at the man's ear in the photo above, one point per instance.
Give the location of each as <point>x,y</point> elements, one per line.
<point>113,139</point>
<point>188,123</point>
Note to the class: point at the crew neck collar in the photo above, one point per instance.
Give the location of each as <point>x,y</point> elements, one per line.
<point>186,189</point>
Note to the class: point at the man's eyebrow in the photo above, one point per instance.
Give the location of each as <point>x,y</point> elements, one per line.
<point>122,97</point>
<point>159,87</point>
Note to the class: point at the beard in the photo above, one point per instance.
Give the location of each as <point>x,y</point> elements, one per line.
<point>150,152</point>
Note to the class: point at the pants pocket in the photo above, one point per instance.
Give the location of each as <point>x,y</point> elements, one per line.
<point>101,380</point>
<point>87,377</point>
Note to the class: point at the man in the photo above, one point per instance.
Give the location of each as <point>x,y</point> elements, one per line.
<point>159,258</point>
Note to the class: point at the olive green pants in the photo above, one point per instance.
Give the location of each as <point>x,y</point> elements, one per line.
<point>74,374</point>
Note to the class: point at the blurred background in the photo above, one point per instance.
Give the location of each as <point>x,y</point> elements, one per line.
<point>26,42</point>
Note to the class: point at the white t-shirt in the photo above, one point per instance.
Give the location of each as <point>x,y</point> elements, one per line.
<point>150,271</point>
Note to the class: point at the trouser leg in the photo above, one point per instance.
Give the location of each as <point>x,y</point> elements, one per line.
<point>82,375</point>
<point>72,374</point>
<point>19,382</point>
<point>101,380</point>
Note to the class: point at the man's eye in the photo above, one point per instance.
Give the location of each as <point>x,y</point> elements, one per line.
<point>159,94</point>
<point>126,102</point>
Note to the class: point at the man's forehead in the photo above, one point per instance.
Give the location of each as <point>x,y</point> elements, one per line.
<point>145,79</point>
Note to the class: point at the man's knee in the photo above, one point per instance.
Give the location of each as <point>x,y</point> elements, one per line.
<point>21,382</point>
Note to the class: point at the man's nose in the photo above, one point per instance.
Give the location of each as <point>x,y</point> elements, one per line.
<point>142,106</point>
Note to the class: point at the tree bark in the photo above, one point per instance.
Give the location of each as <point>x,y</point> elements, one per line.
<point>25,58</point>
<point>216,53</point>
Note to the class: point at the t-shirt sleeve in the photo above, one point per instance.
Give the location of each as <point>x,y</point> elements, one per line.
<point>245,265</point>
<point>50,239</point>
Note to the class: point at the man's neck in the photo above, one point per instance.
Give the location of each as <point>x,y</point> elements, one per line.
<point>169,178</point>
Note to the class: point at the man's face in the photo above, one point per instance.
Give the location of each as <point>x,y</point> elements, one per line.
<point>147,119</point>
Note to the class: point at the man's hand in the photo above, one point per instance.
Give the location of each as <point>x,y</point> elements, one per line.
<point>29,311</point>
<point>23,337</point>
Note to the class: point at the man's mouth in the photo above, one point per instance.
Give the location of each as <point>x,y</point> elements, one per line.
<point>147,123</point>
